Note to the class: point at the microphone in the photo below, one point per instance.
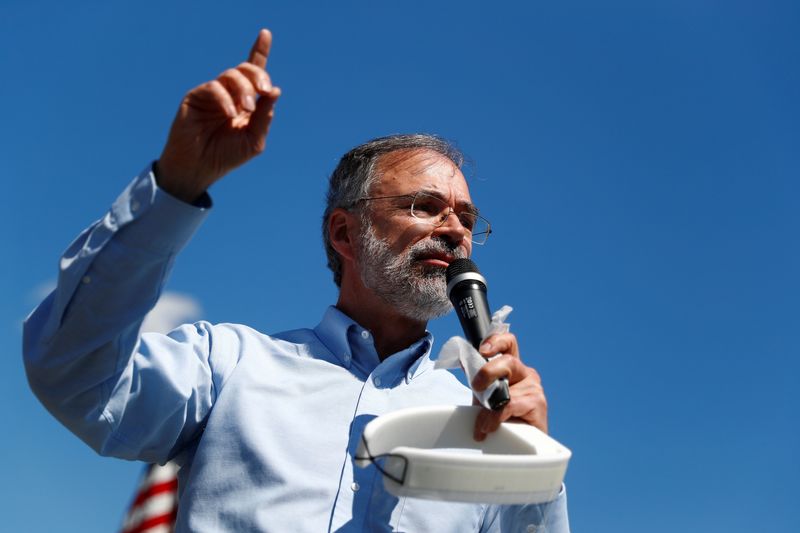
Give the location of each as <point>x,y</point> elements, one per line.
<point>466,289</point>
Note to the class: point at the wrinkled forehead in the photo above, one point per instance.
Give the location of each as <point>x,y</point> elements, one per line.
<point>409,171</point>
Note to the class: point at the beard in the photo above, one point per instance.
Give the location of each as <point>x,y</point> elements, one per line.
<point>416,290</point>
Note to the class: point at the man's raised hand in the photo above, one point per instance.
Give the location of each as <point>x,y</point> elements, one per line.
<point>220,125</point>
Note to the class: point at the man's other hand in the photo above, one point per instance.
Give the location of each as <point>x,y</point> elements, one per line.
<point>528,403</point>
<point>220,125</point>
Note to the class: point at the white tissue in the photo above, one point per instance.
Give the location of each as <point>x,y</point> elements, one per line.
<point>457,351</point>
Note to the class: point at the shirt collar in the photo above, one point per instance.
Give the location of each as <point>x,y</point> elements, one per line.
<point>352,345</point>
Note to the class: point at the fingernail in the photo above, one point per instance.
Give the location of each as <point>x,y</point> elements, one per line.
<point>249,103</point>
<point>264,87</point>
<point>485,347</point>
<point>230,111</point>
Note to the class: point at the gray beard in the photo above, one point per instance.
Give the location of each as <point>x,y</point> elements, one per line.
<point>415,290</point>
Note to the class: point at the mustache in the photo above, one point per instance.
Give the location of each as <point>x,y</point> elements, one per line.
<point>437,245</point>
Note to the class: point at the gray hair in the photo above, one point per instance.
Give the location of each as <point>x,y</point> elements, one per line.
<point>357,171</point>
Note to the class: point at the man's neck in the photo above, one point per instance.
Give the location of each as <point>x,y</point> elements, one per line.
<point>390,330</point>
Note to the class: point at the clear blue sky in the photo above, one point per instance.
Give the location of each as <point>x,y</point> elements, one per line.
<point>639,162</point>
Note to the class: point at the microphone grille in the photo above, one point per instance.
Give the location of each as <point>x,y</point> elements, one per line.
<point>460,266</point>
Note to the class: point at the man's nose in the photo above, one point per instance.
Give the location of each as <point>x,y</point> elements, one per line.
<point>453,228</point>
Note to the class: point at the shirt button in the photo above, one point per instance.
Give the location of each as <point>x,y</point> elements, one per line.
<point>531,528</point>
<point>377,381</point>
<point>354,486</point>
<point>86,280</point>
<point>346,357</point>
<point>134,206</point>
<point>365,334</point>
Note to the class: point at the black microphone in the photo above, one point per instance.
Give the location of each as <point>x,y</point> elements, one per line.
<point>466,289</point>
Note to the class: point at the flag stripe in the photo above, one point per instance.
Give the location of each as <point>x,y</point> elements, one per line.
<point>155,507</point>
<point>154,521</point>
<point>158,488</point>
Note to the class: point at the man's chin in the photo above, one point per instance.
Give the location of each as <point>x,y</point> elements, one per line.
<point>422,313</point>
<point>429,297</point>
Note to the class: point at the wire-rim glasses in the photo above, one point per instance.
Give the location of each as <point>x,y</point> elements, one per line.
<point>433,210</point>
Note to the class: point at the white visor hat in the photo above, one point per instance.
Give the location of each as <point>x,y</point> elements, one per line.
<point>430,452</point>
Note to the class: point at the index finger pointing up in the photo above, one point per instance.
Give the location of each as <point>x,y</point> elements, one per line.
<point>260,51</point>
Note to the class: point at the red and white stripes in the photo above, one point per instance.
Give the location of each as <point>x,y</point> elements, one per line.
<point>155,506</point>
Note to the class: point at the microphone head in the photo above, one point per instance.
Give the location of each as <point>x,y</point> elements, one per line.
<point>460,266</point>
<point>462,270</point>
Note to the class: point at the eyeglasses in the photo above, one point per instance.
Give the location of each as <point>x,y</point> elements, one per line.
<point>433,210</point>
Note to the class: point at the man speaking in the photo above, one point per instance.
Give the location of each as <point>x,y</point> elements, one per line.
<point>265,427</point>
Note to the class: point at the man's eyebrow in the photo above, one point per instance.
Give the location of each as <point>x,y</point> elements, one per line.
<point>468,207</point>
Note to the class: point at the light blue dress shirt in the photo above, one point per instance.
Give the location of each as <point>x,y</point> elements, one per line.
<point>264,427</point>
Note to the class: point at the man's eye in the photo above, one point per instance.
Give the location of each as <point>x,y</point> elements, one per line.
<point>428,207</point>
<point>467,220</point>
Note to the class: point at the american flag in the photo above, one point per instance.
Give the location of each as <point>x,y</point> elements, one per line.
<point>155,506</point>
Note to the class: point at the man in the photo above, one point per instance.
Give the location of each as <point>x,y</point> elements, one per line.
<point>265,427</point>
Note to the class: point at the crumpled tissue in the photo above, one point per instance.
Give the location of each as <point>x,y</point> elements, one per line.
<point>457,351</point>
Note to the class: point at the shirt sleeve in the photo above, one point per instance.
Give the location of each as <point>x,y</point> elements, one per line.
<point>124,395</point>
<point>550,517</point>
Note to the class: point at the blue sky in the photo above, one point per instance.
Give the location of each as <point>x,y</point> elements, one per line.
<point>638,160</point>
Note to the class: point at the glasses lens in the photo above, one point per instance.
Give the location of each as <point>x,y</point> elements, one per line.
<point>435,211</point>
<point>428,208</point>
<point>480,230</point>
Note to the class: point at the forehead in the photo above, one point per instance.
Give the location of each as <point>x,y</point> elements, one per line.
<point>408,171</point>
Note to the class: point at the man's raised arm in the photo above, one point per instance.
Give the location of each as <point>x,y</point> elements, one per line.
<point>123,394</point>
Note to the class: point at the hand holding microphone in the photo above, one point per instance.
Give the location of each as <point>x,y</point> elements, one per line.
<point>521,396</point>
<point>466,289</point>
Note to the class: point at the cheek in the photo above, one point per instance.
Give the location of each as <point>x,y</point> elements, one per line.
<point>406,236</point>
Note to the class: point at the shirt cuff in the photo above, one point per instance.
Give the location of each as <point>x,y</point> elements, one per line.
<point>148,217</point>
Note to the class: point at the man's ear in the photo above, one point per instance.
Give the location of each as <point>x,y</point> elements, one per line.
<point>343,226</point>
